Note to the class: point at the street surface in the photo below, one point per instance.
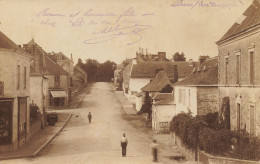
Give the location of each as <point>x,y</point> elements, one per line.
<point>99,141</point>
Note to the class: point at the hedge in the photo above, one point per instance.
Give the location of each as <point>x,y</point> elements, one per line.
<point>212,137</point>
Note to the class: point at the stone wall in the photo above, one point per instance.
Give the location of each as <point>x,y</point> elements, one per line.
<point>208,100</point>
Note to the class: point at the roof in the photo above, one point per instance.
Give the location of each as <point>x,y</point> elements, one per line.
<point>52,68</point>
<point>169,100</point>
<point>54,56</point>
<point>158,83</point>
<point>38,48</point>
<point>77,67</point>
<point>161,96</point>
<point>249,19</point>
<point>185,68</point>
<point>147,69</point>
<point>6,43</point>
<point>205,74</point>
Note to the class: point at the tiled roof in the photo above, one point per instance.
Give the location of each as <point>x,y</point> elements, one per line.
<point>147,69</point>
<point>37,47</point>
<point>52,68</point>
<point>158,83</point>
<point>249,19</point>
<point>54,56</point>
<point>6,43</point>
<point>77,66</point>
<point>205,74</point>
<point>184,68</point>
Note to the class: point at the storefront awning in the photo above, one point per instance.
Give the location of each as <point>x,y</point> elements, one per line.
<point>58,94</point>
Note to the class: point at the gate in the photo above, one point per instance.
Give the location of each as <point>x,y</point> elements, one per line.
<point>22,120</point>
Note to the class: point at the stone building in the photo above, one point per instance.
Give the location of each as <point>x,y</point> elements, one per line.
<point>58,79</point>
<point>67,64</point>
<point>239,79</point>
<point>15,95</point>
<point>198,92</point>
<point>80,77</point>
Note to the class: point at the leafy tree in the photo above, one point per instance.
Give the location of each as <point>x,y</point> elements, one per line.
<point>106,71</point>
<point>91,67</point>
<point>98,71</point>
<point>179,57</point>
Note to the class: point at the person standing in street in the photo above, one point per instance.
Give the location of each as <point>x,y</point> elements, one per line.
<point>154,146</point>
<point>123,145</point>
<point>89,117</point>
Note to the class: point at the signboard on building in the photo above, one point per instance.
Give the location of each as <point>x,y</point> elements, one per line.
<point>1,88</point>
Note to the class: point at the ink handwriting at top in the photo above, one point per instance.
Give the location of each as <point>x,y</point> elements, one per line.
<point>129,12</point>
<point>112,32</point>
<point>208,4</point>
<point>46,12</point>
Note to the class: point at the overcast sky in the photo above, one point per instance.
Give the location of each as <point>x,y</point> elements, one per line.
<point>111,30</point>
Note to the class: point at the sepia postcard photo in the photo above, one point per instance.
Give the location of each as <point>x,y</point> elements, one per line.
<point>129,82</point>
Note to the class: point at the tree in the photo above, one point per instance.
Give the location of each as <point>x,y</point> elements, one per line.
<point>106,71</point>
<point>99,71</point>
<point>91,67</point>
<point>179,57</point>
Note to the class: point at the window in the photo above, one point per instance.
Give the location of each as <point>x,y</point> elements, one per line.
<point>251,67</point>
<point>57,81</point>
<point>252,120</point>
<point>184,100</point>
<point>238,67</point>
<point>18,76</point>
<point>226,70</point>
<point>163,124</point>
<point>238,116</point>
<point>180,95</point>
<point>189,97</point>
<point>25,77</point>
<point>71,84</point>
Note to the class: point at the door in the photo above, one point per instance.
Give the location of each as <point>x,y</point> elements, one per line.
<point>6,107</point>
<point>238,116</point>
<point>22,120</point>
<point>252,120</point>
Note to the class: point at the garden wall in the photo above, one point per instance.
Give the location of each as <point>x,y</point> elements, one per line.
<point>205,158</point>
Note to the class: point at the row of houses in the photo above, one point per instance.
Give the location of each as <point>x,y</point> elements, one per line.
<point>31,81</point>
<point>199,87</point>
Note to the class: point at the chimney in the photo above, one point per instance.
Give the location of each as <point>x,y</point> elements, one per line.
<point>175,75</point>
<point>203,58</point>
<point>161,55</point>
<point>71,58</point>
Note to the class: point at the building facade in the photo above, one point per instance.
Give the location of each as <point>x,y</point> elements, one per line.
<point>15,95</point>
<point>239,79</point>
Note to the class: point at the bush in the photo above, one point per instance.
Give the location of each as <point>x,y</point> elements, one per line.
<point>206,132</point>
<point>34,111</point>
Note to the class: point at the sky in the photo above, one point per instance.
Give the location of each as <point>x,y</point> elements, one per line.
<point>114,30</point>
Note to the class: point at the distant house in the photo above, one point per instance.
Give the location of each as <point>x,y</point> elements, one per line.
<point>160,83</point>
<point>67,64</point>
<point>15,95</point>
<point>38,82</point>
<point>118,73</point>
<point>239,80</point>
<point>80,77</point>
<point>143,73</point>
<point>58,78</point>
<point>198,93</point>
<point>185,68</point>
<point>163,110</point>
